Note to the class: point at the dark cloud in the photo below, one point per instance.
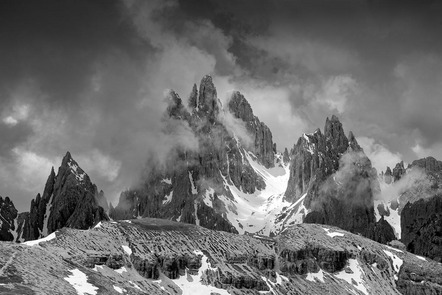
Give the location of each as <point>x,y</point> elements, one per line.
<point>90,77</point>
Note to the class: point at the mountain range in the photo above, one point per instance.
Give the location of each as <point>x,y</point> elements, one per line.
<point>236,216</point>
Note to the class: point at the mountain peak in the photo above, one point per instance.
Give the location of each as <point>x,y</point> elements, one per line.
<point>193,98</point>
<point>67,157</point>
<point>240,107</point>
<point>208,104</point>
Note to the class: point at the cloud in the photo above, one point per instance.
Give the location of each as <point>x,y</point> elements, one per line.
<point>95,85</point>
<point>379,155</point>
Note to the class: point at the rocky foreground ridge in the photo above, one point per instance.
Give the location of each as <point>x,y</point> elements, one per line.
<point>153,256</point>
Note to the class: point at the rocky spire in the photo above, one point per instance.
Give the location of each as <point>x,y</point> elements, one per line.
<point>398,171</point>
<point>353,143</point>
<point>286,156</point>
<point>175,108</point>
<point>69,199</point>
<point>193,98</point>
<point>388,176</point>
<point>260,134</point>
<point>208,104</point>
<point>334,134</point>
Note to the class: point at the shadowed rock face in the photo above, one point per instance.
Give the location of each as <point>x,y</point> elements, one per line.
<point>418,204</point>
<point>176,190</point>
<point>421,224</point>
<point>8,214</point>
<point>261,135</point>
<point>69,200</point>
<point>154,256</point>
<point>337,178</point>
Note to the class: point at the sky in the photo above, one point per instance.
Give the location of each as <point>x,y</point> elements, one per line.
<point>90,77</point>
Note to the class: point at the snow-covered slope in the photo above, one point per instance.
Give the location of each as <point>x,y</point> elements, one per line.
<point>257,213</point>
<point>388,207</point>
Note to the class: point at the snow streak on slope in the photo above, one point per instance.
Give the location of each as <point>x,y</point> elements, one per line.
<point>44,233</point>
<point>45,239</point>
<point>393,217</point>
<point>257,212</point>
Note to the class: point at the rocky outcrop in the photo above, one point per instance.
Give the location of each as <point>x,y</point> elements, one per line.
<point>336,177</point>
<point>260,133</point>
<point>429,165</point>
<point>286,156</point>
<point>381,232</point>
<point>8,214</point>
<point>398,171</point>
<point>69,199</point>
<point>154,256</point>
<point>421,224</point>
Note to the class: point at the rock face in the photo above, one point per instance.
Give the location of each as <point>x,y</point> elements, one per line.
<point>194,185</point>
<point>8,214</point>
<point>261,135</point>
<point>153,256</point>
<point>334,180</point>
<point>421,224</point>
<point>415,210</point>
<point>68,200</point>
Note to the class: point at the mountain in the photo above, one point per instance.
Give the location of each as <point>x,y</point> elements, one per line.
<point>237,182</point>
<point>208,187</point>
<point>69,199</point>
<point>155,256</point>
<point>412,204</point>
<point>332,182</point>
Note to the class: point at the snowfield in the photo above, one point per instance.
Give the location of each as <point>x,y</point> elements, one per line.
<point>258,212</point>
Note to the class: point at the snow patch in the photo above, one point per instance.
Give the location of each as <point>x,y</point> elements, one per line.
<point>98,225</point>
<point>192,184</point>
<point>77,173</point>
<point>120,270</point>
<point>420,257</point>
<point>168,198</point>
<point>36,242</point>
<point>394,249</point>
<point>135,285</point>
<point>333,234</point>
<point>397,262</point>
<point>356,278</point>
<point>97,267</point>
<point>312,277</point>
<point>78,280</point>
<point>119,290</point>
<point>197,221</point>
<point>126,249</point>
<point>208,197</point>
<point>167,181</point>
